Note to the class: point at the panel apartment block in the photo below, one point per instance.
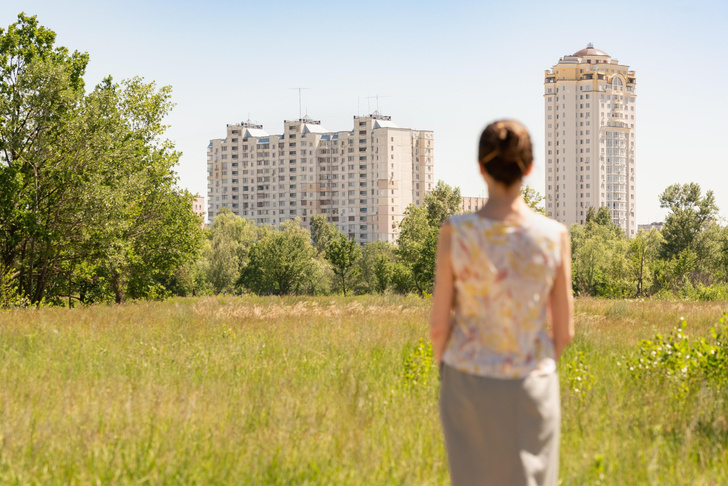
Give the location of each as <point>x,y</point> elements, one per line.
<point>362,180</point>
<point>590,138</point>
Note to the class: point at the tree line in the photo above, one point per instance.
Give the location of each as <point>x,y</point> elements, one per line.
<point>687,258</point>
<point>239,256</point>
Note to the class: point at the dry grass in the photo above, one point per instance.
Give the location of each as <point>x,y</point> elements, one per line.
<point>312,391</point>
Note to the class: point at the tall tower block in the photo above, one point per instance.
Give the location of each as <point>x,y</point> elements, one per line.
<point>590,120</point>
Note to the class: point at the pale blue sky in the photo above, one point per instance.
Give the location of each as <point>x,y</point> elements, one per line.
<point>450,67</point>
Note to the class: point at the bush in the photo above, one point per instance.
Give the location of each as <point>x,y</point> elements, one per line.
<point>418,366</point>
<point>678,359</point>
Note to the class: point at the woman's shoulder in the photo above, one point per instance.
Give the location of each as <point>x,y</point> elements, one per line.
<point>549,225</point>
<point>459,219</point>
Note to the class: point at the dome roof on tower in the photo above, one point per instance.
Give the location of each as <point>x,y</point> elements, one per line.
<point>590,51</point>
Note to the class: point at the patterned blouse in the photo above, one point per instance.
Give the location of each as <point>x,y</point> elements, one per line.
<point>503,274</point>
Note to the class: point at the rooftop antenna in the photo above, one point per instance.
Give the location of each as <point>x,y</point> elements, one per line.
<point>377,98</point>
<point>300,111</point>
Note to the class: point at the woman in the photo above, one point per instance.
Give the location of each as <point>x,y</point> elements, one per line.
<point>501,275</point>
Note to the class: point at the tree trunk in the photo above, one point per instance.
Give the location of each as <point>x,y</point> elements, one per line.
<point>116,286</point>
<point>639,281</point>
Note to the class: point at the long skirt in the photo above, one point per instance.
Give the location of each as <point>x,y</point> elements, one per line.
<point>501,432</point>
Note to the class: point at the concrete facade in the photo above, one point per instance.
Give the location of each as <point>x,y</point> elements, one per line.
<point>361,180</point>
<point>198,207</point>
<point>471,204</point>
<point>590,120</point>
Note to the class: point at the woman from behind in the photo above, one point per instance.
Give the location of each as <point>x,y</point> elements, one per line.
<point>502,315</point>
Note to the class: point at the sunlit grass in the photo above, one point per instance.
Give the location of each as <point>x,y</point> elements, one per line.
<point>314,391</point>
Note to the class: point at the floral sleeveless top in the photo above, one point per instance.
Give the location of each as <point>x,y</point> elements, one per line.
<point>503,275</point>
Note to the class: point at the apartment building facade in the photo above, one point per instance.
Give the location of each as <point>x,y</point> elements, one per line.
<point>471,204</point>
<point>590,120</point>
<point>362,180</point>
<point>198,207</point>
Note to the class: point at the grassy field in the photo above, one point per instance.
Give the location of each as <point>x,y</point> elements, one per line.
<point>318,391</point>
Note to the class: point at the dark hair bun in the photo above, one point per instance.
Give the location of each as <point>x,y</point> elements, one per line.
<point>505,151</point>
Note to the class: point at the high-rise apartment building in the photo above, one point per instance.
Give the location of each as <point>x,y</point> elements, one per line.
<point>362,180</point>
<point>590,138</point>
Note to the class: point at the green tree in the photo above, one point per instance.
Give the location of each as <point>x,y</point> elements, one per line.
<point>382,271</point>
<point>40,89</point>
<point>602,217</point>
<point>418,234</point>
<point>230,240</point>
<point>401,278</point>
<point>343,254</point>
<point>443,202</point>
<point>146,230</point>
<point>322,232</point>
<point>416,246</point>
<point>89,207</point>
<point>644,250</point>
<point>690,212</point>
<point>599,264</point>
<point>280,261</point>
<point>723,256</point>
<point>692,237</point>
<point>375,267</point>
<point>533,199</point>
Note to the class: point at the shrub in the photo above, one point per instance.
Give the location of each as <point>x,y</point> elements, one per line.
<point>687,362</point>
<point>418,366</point>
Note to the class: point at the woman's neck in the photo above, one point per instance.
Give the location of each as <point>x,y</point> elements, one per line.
<point>505,203</point>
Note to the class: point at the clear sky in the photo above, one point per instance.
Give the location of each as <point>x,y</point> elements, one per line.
<point>450,67</point>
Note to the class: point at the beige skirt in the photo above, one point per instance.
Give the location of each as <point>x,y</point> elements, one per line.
<point>501,432</point>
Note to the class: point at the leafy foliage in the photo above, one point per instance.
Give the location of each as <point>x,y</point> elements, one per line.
<point>343,254</point>
<point>690,212</point>
<point>280,261</point>
<point>441,203</point>
<point>419,232</point>
<point>418,365</point>
<point>533,199</point>
<point>89,207</point>
<point>322,232</point>
<point>9,296</point>
<point>579,377</point>
<point>682,361</point>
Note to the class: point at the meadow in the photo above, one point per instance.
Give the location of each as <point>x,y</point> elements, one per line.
<point>330,390</point>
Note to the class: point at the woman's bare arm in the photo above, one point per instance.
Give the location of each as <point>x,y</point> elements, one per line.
<point>562,300</point>
<point>442,298</point>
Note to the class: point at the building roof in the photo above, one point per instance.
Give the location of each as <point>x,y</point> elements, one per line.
<point>311,128</point>
<point>590,51</point>
<point>384,124</point>
<point>254,132</point>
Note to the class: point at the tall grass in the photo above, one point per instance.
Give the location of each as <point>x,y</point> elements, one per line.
<point>316,391</point>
